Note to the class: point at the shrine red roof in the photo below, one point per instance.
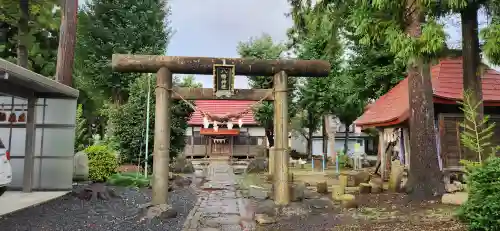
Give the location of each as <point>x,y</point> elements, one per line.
<point>447,83</point>
<point>221,107</point>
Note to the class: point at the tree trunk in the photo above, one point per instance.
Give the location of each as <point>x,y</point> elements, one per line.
<point>325,136</point>
<point>471,60</point>
<point>470,48</point>
<point>310,134</point>
<point>331,129</point>
<point>23,27</point>
<point>346,138</point>
<point>270,137</point>
<point>425,178</point>
<point>67,40</point>
<point>309,144</point>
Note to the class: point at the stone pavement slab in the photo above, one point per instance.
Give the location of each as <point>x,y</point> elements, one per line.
<point>220,206</point>
<point>13,201</point>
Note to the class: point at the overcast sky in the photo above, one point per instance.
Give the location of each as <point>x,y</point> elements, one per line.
<point>214,27</point>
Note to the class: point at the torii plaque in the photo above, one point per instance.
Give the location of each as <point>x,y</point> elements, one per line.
<point>223,80</point>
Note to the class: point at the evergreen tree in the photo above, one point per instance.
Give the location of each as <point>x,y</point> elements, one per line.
<point>83,136</point>
<point>120,26</point>
<point>129,121</point>
<point>264,48</point>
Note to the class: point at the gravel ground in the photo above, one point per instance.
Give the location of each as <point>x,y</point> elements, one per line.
<point>376,212</point>
<point>68,214</point>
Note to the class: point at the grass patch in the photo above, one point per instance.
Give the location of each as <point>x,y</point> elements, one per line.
<point>130,179</point>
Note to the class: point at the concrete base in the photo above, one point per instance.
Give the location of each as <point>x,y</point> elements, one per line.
<point>14,200</point>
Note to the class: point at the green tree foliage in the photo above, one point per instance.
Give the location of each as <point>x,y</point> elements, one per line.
<point>371,67</point>
<point>469,13</point>
<point>316,36</point>
<point>42,39</point>
<point>121,26</point>
<point>476,134</point>
<point>83,136</point>
<point>129,121</point>
<point>414,38</point>
<point>480,211</point>
<point>263,47</point>
<point>102,162</point>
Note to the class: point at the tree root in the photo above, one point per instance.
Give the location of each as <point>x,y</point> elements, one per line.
<point>97,191</point>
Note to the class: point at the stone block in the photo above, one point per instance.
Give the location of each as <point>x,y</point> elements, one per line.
<point>80,166</point>
<point>351,190</point>
<point>182,165</point>
<point>215,222</point>
<point>348,201</point>
<point>361,177</point>
<point>396,176</point>
<point>354,178</point>
<point>457,198</point>
<point>322,187</point>
<point>365,188</point>
<point>337,191</point>
<point>264,219</point>
<point>297,192</point>
<point>377,185</point>
<point>258,192</point>
<point>343,179</point>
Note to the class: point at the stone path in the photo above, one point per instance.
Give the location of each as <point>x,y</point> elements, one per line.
<point>220,206</point>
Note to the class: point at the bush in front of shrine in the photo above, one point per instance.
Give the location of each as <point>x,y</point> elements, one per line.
<point>482,209</point>
<point>103,163</point>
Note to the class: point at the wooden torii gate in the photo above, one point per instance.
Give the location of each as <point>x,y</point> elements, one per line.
<point>165,66</point>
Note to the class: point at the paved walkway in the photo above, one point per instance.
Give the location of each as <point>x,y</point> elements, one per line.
<point>13,201</point>
<point>220,206</point>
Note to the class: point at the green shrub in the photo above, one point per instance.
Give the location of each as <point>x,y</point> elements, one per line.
<point>481,212</point>
<point>343,160</point>
<point>130,179</point>
<point>102,162</point>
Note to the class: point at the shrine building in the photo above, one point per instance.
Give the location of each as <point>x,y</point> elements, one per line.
<point>390,115</point>
<point>238,138</point>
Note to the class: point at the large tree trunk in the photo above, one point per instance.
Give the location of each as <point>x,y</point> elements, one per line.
<point>67,40</point>
<point>471,60</point>
<point>470,49</point>
<point>425,178</point>
<point>331,129</point>
<point>23,27</point>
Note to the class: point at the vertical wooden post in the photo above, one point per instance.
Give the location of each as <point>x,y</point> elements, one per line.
<point>281,189</point>
<point>192,142</point>
<point>29,148</point>
<point>161,157</point>
<point>406,140</point>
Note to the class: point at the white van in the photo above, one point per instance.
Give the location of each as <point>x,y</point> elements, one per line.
<point>5,168</point>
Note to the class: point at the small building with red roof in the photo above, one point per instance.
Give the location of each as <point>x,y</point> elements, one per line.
<point>390,113</point>
<point>228,139</point>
